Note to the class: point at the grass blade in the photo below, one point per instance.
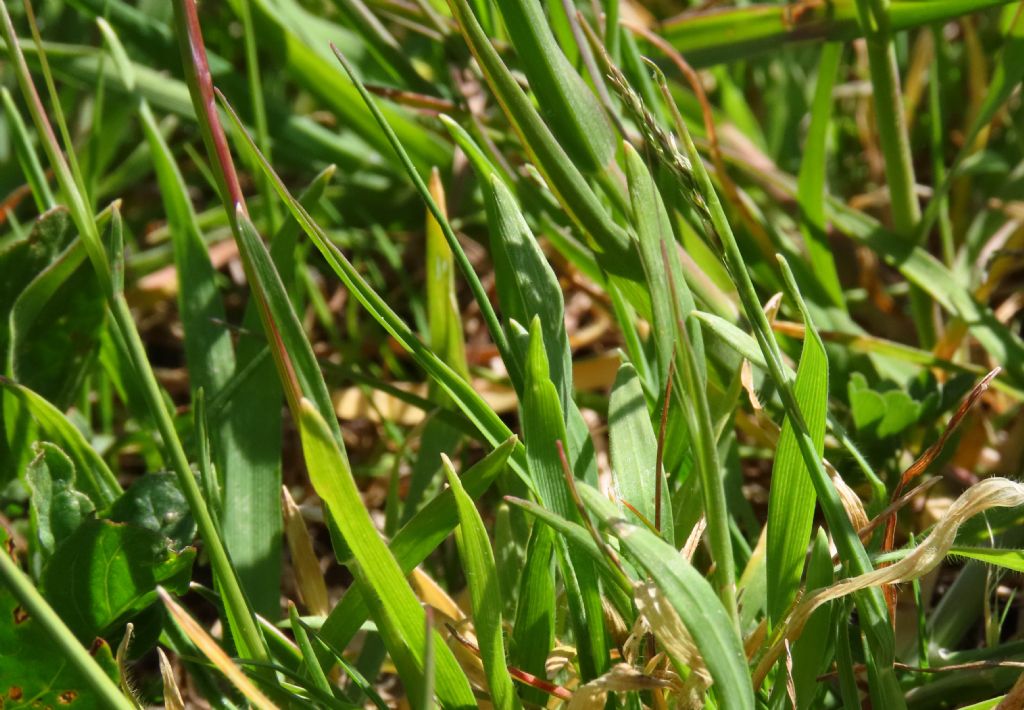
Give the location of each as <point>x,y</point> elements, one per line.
<point>482,580</point>
<point>398,613</point>
<point>792,498</point>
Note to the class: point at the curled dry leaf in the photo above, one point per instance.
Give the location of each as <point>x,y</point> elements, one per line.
<point>172,696</point>
<point>983,496</point>
<point>621,678</point>
<point>673,635</point>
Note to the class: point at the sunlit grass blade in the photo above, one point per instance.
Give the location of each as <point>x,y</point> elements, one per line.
<point>216,655</point>
<point>533,632</point>
<point>399,616</point>
<point>415,540</point>
<point>757,28</point>
<point>700,609</point>
<point>543,429</point>
<point>792,498</point>
<point>482,580</point>
<point>309,659</point>
<point>634,452</point>
<point>26,153</point>
<point>465,397</point>
<point>612,244</point>
<point>569,106</point>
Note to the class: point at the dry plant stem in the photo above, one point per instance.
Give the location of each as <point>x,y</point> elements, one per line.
<point>925,460</point>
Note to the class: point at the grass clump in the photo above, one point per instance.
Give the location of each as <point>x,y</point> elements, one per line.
<point>368,353</point>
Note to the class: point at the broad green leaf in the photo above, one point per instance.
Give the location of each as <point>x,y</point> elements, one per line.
<point>792,498</point>
<point>415,540</point>
<point>35,671</point>
<point>484,591</point>
<point>700,610</point>
<point>634,452</point>
<point>94,477</point>
<point>155,502</point>
<point>399,616</point>
<point>106,571</point>
<point>568,105</point>
<point>58,508</point>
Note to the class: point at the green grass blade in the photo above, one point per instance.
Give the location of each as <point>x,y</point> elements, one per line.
<point>732,34</point>
<point>792,499</point>
<point>634,452</point>
<point>399,615</point>
<point>27,157</point>
<point>568,105</point>
<point>309,658</point>
<point>479,294</point>
<point>699,608</point>
<point>543,428</point>
<point>613,248</point>
<point>812,652</point>
<point>533,631</point>
<point>811,180</point>
<point>485,593</point>
<point>465,397</point>
<point>415,540</point>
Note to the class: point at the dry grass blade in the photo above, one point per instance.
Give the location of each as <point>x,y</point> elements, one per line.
<point>172,696</point>
<point>621,678</point>
<point>214,653</point>
<point>308,576</point>
<point>983,496</point>
<point>921,465</point>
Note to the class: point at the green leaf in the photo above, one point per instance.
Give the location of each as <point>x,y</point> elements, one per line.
<point>95,478</point>
<point>58,508</point>
<point>634,450</point>
<point>611,243</point>
<point>106,571</point>
<point>1007,559</point>
<point>568,105</point>
<point>533,632</point>
<point>543,430</point>
<point>792,497</point>
<point>415,540</point>
<point>813,651</point>
<point>155,502</point>
<point>485,593</point>
<point>36,673</point>
<point>811,180</point>
<point>400,617</point>
<point>698,606</point>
